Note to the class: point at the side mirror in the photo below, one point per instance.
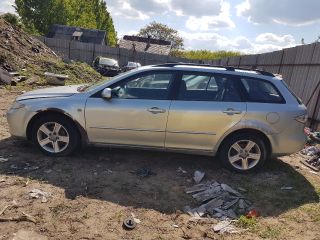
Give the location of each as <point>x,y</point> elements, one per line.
<point>106,93</point>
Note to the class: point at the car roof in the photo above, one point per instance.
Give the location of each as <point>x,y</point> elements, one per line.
<point>257,73</point>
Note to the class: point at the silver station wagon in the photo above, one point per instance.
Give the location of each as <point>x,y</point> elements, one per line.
<point>242,116</point>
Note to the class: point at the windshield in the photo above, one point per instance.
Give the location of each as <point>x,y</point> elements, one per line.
<point>108,61</point>
<point>91,86</point>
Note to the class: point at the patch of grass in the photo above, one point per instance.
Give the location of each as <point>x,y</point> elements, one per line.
<point>245,222</point>
<point>118,216</point>
<point>59,209</point>
<point>313,210</point>
<point>22,181</point>
<point>318,191</point>
<point>270,233</point>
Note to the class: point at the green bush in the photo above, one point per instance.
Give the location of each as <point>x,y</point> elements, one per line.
<point>203,54</point>
<point>11,18</point>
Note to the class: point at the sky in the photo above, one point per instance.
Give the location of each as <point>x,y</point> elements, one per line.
<point>248,26</point>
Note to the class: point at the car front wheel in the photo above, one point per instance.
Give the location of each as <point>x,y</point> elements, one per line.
<point>55,135</point>
<point>243,153</point>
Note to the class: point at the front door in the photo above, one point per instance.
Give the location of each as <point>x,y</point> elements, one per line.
<point>206,106</point>
<point>135,115</point>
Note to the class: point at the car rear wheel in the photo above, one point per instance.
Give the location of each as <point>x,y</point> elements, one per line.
<point>55,135</point>
<point>243,153</point>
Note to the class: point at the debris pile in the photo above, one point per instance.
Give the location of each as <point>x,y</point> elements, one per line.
<point>217,200</point>
<point>313,163</point>
<point>312,136</point>
<point>24,59</point>
<point>312,153</point>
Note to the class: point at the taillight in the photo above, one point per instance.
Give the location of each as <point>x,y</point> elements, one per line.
<point>302,118</point>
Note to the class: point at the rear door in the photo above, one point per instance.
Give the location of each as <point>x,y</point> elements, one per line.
<point>135,115</point>
<point>205,107</point>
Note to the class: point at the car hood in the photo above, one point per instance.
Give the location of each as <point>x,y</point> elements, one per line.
<point>65,91</point>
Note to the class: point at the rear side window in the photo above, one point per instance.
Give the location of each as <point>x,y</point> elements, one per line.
<point>293,94</point>
<point>204,87</point>
<point>261,91</point>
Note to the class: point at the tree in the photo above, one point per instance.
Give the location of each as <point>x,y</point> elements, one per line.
<point>39,15</point>
<point>162,32</point>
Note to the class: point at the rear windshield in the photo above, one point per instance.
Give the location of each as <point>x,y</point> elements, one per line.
<point>108,61</point>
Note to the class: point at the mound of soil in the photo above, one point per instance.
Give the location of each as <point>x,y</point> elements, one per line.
<point>20,52</point>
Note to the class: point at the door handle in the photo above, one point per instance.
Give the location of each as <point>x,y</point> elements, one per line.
<point>156,110</point>
<point>231,111</point>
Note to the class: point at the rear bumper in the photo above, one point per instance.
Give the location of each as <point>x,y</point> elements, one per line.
<point>288,142</point>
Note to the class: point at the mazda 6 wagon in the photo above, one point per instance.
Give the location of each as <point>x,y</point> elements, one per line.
<point>243,116</point>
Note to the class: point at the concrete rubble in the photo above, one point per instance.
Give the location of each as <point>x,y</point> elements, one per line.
<point>217,200</point>
<point>56,79</point>
<point>36,193</point>
<point>198,176</point>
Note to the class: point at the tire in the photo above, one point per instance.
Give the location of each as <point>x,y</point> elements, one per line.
<point>55,135</point>
<point>243,153</point>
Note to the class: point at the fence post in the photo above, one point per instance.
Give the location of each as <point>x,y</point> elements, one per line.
<point>239,64</point>
<point>69,51</point>
<point>93,52</point>
<point>281,61</point>
<point>315,111</point>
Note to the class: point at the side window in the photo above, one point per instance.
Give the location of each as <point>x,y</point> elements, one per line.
<point>202,87</point>
<point>261,91</point>
<point>146,86</point>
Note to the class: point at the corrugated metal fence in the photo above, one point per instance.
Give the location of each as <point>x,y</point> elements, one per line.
<point>87,52</point>
<point>299,66</point>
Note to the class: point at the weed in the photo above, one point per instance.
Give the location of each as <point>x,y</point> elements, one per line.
<point>270,232</point>
<point>313,210</point>
<point>118,216</point>
<point>58,209</point>
<point>245,222</point>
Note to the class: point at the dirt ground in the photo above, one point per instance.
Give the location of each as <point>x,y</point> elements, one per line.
<point>94,191</point>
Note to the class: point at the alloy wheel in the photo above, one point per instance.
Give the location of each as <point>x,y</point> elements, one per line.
<point>244,154</point>
<point>53,137</point>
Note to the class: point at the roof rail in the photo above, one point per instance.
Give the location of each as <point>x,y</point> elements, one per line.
<point>193,64</point>
<point>228,68</point>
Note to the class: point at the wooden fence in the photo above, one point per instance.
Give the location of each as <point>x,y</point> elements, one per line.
<point>299,66</point>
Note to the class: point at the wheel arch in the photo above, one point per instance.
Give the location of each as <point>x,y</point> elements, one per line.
<point>261,134</point>
<point>59,112</point>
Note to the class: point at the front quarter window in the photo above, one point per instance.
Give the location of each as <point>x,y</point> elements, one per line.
<point>152,85</point>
